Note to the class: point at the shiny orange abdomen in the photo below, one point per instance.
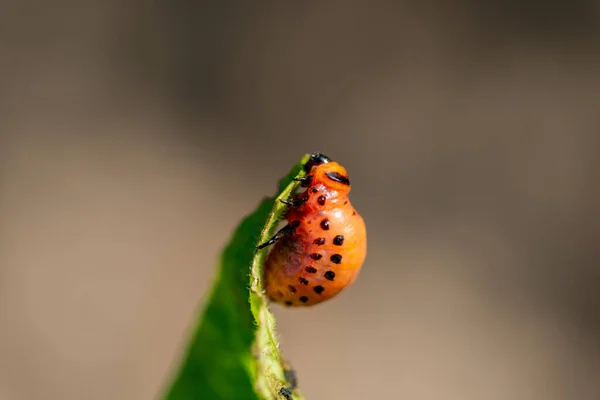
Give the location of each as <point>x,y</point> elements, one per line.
<point>327,248</point>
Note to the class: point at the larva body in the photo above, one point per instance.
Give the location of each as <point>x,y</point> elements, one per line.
<point>322,249</point>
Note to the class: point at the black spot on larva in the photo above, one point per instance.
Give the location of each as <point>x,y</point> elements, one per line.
<point>319,241</point>
<point>304,299</point>
<point>295,224</point>
<point>329,275</point>
<point>338,240</point>
<point>314,190</point>
<point>353,213</point>
<point>310,269</point>
<point>319,289</point>
<point>303,281</point>
<point>336,176</point>
<point>321,200</point>
<point>336,258</point>
<point>316,256</point>
<point>325,224</point>
<point>346,202</point>
<point>288,303</point>
<point>292,289</point>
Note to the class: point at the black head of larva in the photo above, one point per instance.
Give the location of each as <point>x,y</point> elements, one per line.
<point>316,159</point>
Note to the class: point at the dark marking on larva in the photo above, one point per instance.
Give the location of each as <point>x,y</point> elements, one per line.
<point>295,224</point>
<point>353,213</point>
<point>316,256</point>
<point>346,202</point>
<point>329,275</point>
<point>303,281</point>
<point>321,200</point>
<point>319,289</point>
<point>292,289</point>
<point>319,241</point>
<point>325,224</point>
<point>336,176</point>
<point>279,293</point>
<point>336,258</point>
<point>304,299</point>
<point>314,190</point>
<point>288,303</point>
<point>310,270</point>
<point>338,240</point>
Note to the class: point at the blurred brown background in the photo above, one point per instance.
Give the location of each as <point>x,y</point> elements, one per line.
<point>135,135</point>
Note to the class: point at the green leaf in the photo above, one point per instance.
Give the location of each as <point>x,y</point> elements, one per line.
<point>234,351</point>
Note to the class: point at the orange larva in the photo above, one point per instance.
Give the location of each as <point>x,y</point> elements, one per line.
<point>322,248</point>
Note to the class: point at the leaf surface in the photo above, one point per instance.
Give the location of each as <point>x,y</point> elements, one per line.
<point>233,353</point>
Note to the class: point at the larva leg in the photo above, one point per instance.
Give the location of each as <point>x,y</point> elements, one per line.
<point>286,230</point>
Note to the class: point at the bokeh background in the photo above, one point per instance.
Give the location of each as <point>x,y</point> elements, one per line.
<point>135,135</point>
